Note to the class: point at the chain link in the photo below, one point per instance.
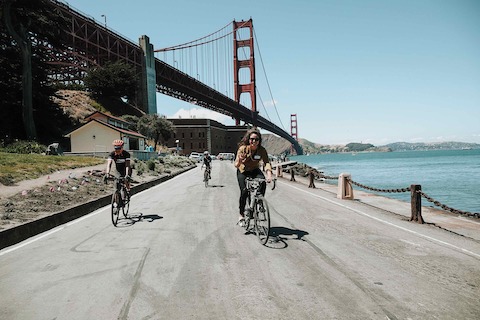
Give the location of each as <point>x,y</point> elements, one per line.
<point>447,208</point>
<point>327,177</point>
<point>423,194</point>
<point>379,190</point>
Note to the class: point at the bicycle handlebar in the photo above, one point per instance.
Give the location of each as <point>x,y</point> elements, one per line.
<point>274,180</point>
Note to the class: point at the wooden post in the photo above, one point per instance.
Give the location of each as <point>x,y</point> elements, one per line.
<point>416,203</point>
<point>311,176</point>
<point>278,171</point>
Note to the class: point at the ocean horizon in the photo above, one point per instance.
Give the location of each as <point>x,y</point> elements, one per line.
<point>451,177</point>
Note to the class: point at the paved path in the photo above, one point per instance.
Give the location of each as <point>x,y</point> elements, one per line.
<point>181,256</point>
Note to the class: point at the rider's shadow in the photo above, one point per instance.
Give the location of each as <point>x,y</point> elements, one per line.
<point>280,235</point>
<point>138,217</point>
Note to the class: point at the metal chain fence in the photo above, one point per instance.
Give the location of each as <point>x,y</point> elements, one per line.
<point>423,194</point>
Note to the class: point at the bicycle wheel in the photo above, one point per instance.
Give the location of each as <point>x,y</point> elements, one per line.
<point>116,205</point>
<point>205,178</point>
<point>126,204</point>
<point>246,224</point>
<point>262,220</point>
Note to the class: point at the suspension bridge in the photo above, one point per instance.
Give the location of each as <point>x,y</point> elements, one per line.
<point>200,72</point>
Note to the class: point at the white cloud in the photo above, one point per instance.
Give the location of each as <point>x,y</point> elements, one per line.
<point>202,113</point>
<point>270,103</point>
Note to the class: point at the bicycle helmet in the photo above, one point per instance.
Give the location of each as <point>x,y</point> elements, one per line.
<point>205,152</point>
<point>117,144</point>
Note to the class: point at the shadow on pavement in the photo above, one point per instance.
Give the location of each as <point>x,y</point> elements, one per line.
<point>137,217</point>
<point>280,235</point>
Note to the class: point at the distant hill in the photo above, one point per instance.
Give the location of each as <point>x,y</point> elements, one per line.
<point>450,145</point>
<point>277,145</point>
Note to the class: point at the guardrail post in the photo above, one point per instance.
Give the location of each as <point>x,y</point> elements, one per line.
<point>311,178</point>
<point>278,171</point>
<point>345,189</point>
<point>292,174</point>
<point>416,203</point>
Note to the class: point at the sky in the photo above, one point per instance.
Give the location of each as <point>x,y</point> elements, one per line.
<point>367,71</point>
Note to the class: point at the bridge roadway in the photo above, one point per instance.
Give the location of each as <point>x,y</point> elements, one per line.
<point>181,256</point>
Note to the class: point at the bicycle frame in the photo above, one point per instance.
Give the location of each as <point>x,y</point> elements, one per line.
<point>120,199</point>
<point>206,175</point>
<point>258,209</point>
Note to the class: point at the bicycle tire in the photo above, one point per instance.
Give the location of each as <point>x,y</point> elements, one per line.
<point>205,178</point>
<point>116,205</point>
<point>126,204</point>
<point>246,223</point>
<point>261,216</point>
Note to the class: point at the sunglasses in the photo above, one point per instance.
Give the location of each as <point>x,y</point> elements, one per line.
<point>254,139</point>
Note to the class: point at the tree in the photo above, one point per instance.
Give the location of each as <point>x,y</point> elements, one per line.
<point>155,127</point>
<point>132,120</point>
<point>116,80</point>
<point>31,28</point>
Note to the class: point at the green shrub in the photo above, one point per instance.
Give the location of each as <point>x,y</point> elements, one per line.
<point>25,147</point>
<point>151,165</point>
<point>7,180</point>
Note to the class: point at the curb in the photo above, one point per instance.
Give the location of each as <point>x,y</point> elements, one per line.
<point>22,232</point>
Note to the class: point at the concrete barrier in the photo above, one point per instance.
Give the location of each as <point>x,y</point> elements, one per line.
<point>345,189</point>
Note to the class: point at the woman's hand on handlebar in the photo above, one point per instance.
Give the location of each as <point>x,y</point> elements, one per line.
<point>269,176</point>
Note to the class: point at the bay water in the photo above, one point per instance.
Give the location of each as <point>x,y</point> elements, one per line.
<point>451,177</point>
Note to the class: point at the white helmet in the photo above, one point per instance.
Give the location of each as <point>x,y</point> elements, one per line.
<point>205,152</point>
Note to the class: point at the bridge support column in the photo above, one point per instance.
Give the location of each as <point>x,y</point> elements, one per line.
<point>148,79</point>
<point>248,63</point>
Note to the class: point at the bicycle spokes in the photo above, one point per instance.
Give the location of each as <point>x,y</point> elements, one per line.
<point>262,221</point>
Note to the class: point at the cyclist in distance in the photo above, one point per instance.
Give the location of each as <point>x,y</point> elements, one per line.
<point>250,154</point>
<point>207,162</point>
<point>122,162</point>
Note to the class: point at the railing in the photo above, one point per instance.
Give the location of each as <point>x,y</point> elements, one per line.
<point>415,190</point>
<point>135,154</point>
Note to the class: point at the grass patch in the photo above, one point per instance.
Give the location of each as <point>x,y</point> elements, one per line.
<point>17,167</point>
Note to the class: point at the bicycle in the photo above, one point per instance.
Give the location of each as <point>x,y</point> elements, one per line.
<point>257,208</point>
<point>206,175</point>
<point>120,199</point>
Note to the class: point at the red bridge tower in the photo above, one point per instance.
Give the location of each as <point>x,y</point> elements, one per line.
<point>248,63</point>
<point>293,129</point>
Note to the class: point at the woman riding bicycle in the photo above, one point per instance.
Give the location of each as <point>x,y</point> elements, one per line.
<point>249,156</point>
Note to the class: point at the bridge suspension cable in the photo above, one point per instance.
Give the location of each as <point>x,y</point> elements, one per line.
<point>268,84</point>
<point>209,60</point>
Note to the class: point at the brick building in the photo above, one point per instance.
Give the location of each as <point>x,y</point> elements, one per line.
<point>198,135</point>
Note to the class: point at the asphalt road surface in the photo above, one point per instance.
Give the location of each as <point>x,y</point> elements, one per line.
<point>182,256</point>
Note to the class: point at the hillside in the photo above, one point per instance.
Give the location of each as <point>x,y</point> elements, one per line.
<point>276,145</point>
<point>450,145</point>
<point>79,104</point>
